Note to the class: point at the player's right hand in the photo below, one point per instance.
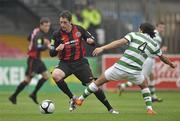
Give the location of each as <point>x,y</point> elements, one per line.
<point>60,47</point>
<point>97,51</point>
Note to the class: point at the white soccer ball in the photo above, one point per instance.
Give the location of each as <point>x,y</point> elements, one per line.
<point>47,107</point>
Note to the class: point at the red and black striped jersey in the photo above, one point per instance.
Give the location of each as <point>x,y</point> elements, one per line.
<point>74,43</point>
<point>36,43</point>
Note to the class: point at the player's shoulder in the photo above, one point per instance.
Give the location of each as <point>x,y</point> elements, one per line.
<point>35,31</point>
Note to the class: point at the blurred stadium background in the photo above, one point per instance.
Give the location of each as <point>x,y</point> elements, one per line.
<point>19,17</point>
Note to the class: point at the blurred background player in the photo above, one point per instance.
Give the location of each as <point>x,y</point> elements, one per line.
<point>149,65</point>
<point>78,18</point>
<point>129,66</point>
<point>38,42</point>
<point>92,15</point>
<point>67,44</point>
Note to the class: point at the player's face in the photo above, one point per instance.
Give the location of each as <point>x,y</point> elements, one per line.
<point>45,27</point>
<point>65,24</point>
<point>160,28</point>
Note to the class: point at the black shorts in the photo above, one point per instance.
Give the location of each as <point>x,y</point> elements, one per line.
<point>80,68</point>
<point>35,66</point>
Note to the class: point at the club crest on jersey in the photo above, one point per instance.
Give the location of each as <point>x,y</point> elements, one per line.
<point>78,34</point>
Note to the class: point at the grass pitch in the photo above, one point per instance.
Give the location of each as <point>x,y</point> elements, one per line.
<point>130,105</point>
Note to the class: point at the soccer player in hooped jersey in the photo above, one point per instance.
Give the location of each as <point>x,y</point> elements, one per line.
<point>129,67</point>
<point>149,65</point>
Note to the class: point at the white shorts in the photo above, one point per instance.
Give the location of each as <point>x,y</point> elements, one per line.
<point>148,67</point>
<point>114,73</point>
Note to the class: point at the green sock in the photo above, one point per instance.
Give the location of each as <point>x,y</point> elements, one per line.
<point>89,90</point>
<point>147,97</point>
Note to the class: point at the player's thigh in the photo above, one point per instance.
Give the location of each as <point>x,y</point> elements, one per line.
<point>137,79</point>
<point>30,70</point>
<point>148,66</point>
<point>40,68</point>
<point>61,71</point>
<point>84,73</point>
<point>113,73</point>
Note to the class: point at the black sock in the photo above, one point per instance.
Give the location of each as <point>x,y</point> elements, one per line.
<point>101,96</point>
<point>19,88</point>
<point>39,85</point>
<point>64,87</point>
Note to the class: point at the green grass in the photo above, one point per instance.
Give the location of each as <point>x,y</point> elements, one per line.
<point>130,105</point>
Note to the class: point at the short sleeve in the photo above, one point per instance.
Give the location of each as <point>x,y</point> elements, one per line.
<point>128,37</point>
<point>158,52</point>
<point>85,33</point>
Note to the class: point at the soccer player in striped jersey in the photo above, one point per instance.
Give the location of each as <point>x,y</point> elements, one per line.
<point>68,44</point>
<point>38,42</point>
<point>149,65</point>
<point>129,67</point>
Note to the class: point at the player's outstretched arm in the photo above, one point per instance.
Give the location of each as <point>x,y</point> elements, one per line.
<point>114,44</point>
<point>167,61</point>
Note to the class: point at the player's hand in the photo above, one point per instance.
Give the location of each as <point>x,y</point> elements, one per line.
<point>90,41</point>
<point>97,51</point>
<point>47,43</point>
<point>173,65</point>
<point>60,47</point>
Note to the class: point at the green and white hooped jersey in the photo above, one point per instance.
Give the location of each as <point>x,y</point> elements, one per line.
<point>140,47</point>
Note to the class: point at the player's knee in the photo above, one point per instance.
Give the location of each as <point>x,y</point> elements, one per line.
<point>46,77</point>
<point>27,81</point>
<point>57,75</point>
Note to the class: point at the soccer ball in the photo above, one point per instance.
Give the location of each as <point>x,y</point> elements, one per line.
<point>47,107</point>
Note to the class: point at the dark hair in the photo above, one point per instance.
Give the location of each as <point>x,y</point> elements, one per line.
<point>148,29</point>
<point>160,23</point>
<point>66,14</point>
<point>44,20</point>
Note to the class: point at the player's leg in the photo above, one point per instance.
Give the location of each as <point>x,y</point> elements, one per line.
<point>25,82</point>
<point>40,83</point>
<point>146,94</point>
<point>151,85</point>
<point>84,74</point>
<point>40,68</point>
<point>19,88</point>
<point>59,74</point>
<point>147,71</point>
<point>123,86</point>
<point>93,87</point>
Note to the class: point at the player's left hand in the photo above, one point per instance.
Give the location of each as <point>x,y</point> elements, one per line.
<point>47,43</point>
<point>173,65</point>
<point>97,51</point>
<point>60,47</point>
<point>90,41</point>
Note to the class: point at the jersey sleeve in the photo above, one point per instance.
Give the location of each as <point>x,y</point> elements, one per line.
<point>55,41</point>
<point>85,33</point>
<point>128,37</point>
<point>157,52</point>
